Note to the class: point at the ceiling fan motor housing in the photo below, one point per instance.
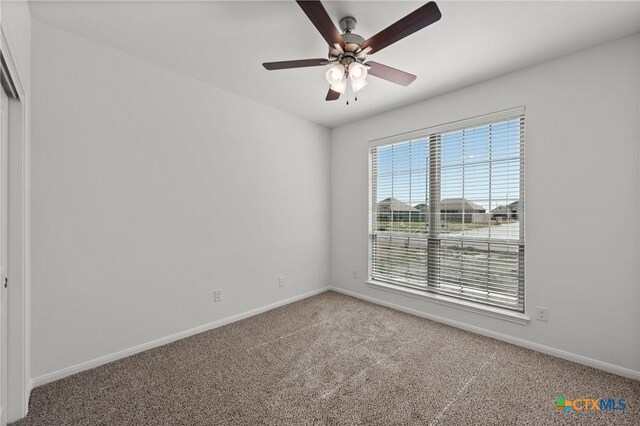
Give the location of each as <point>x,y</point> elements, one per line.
<point>351,38</point>
<point>352,43</point>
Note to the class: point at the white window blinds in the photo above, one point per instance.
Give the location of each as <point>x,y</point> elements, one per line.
<point>447,210</point>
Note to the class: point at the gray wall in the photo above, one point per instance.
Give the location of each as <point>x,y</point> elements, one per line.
<point>582,141</point>
<point>150,190</point>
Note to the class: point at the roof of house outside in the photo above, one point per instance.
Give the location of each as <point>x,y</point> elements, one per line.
<point>502,209</point>
<point>449,204</point>
<point>422,207</point>
<point>459,204</point>
<point>509,208</point>
<point>393,205</point>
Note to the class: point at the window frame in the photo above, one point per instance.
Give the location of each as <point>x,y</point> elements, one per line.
<point>512,314</point>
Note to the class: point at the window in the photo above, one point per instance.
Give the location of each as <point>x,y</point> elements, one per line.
<point>447,210</point>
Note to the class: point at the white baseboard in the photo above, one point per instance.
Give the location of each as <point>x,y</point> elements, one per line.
<point>600,365</point>
<point>87,365</point>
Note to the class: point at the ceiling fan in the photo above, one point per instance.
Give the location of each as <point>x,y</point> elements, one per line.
<point>348,51</point>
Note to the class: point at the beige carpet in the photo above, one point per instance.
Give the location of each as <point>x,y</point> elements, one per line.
<point>332,359</point>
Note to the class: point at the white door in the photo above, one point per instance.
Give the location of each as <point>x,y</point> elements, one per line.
<point>4,133</point>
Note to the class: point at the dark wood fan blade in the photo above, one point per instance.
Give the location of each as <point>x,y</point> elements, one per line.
<point>299,63</point>
<point>332,95</point>
<point>416,20</point>
<point>320,18</point>
<point>390,74</point>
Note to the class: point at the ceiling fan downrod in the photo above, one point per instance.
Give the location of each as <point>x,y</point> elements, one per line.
<point>348,24</point>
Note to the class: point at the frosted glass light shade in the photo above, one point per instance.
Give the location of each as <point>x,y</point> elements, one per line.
<point>335,74</point>
<point>357,72</point>
<point>339,87</point>
<point>359,85</point>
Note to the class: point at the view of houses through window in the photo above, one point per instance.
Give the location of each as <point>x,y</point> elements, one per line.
<point>447,213</point>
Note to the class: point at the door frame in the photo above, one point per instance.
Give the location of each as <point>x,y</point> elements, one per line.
<point>19,243</point>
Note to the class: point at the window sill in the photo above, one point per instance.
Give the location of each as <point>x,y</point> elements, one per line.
<point>452,302</point>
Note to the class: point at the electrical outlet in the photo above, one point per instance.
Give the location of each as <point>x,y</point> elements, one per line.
<point>217,295</point>
<point>281,282</point>
<point>354,274</point>
<point>542,314</point>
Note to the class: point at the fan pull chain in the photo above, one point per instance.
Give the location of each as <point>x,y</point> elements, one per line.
<point>355,95</point>
<point>346,78</point>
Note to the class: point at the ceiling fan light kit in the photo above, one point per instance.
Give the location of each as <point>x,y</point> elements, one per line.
<point>348,51</point>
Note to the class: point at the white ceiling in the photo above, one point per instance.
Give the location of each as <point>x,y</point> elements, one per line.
<point>224,43</point>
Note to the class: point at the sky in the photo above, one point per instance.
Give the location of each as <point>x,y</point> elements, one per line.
<point>481,164</point>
